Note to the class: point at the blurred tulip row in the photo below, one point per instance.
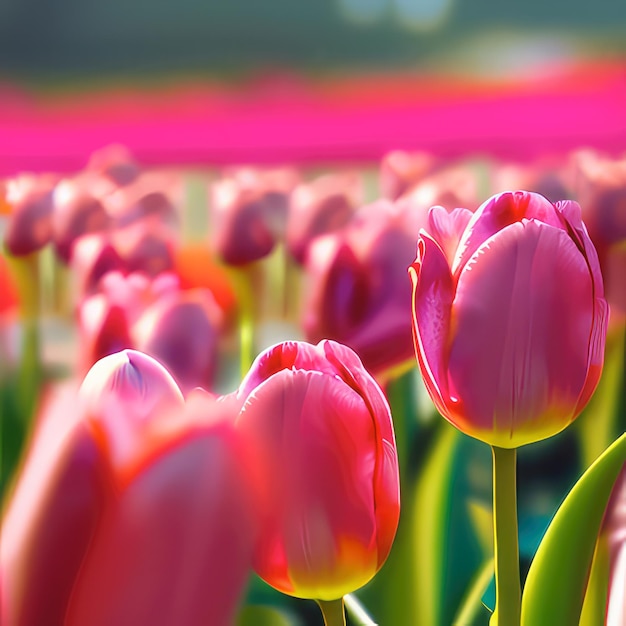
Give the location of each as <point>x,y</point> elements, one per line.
<point>216,385</point>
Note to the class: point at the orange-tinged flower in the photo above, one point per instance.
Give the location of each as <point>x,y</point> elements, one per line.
<point>324,444</point>
<point>133,507</point>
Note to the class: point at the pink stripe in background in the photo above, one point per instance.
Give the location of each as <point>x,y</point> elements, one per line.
<point>291,119</point>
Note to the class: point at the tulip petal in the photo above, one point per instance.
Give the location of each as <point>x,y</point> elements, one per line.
<point>447,228</point>
<point>524,302</point>
<point>177,547</point>
<point>432,301</point>
<point>386,485</point>
<point>51,521</point>
<point>498,212</point>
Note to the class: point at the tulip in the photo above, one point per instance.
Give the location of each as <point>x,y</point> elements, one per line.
<point>132,508</point>
<point>248,213</point>
<point>30,224</point>
<point>509,317</point>
<point>321,206</point>
<point>78,210</point>
<point>401,170</point>
<point>114,162</point>
<point>324,443</point>
<point>179,328</point>
<point>355,292</point>
<point>600,186</point>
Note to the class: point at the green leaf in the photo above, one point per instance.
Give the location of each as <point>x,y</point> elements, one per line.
<point>557,579</point>
<point>447,550</point>
<point>258,615</point>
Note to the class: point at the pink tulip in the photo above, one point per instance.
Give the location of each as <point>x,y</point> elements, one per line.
<point>178,327</point>
<point>114,162</point>
<point>356,293</point>
<point>30,225</point>
<point>401,170</point>
<point>321,206</point>
<point>132,508</point>
<point>600,186</point>
<point>324,444</point>
<point>509,323</point>
<point>249,213</point>
<point>78,210</point>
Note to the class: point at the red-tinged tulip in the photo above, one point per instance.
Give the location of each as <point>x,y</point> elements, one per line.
<point>132,508</point>
<point>324,444</point>
<point>401,170</point>
<point>510,323</point>
<point>78,210</point>
<point>322,206</point>
<point>599,183</point>
<point>356,292</point>
<point>30,224</point>
<point>249,213</point>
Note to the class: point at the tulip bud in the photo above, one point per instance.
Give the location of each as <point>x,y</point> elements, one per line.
<point>30,223</point>
<point>510,324</point>
<point>400,170</point>
<point>249,212</point>
<point>77,211</point>
<point>182,332</point>
<point>356,293</point>
<point>323,440</point>
<point>324,205</point>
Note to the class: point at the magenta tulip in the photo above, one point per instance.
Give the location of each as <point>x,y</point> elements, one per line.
<point>323,205</point>
<point>509,317</point>
<point>133,508</point>
<point>357,292</point>
<point>30,224</point>
<point>249,213</point>
<point>324,444</point>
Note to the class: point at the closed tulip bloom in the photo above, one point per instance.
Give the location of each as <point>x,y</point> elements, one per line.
<point>509,323</point>
<point>321,206</point>
<point>357,292</point>
<point>132,508</point>
<point>78,210</point>
<point>249,213</point>
<point>182,331</point>
<point>401,170</point>
<point>30,224</point>
<point>324,445</point>
<point>600,186</point>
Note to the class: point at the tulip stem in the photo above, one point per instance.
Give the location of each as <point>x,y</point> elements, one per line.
<point>333,612</point>
<point>506,547</point>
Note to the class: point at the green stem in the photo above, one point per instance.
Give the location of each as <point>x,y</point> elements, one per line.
<point>333,612</point>
<point>506,548</point>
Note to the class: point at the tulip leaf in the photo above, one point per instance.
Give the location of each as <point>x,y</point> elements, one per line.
<point>447,551</point>
<point>557,579</point>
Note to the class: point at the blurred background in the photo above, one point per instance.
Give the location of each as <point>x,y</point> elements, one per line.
<point>205,81</point>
